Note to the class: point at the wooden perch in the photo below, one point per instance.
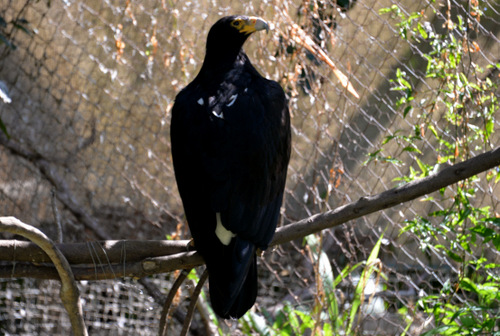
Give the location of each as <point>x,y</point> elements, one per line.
<point>70,295</point>
<point>142,258</point>
<point>389,198</point>
<point>115,251</point>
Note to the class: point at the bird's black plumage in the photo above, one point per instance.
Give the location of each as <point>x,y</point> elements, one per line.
<point>230,134</point>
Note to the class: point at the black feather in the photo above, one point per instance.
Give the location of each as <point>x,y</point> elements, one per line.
<point>230,134</point>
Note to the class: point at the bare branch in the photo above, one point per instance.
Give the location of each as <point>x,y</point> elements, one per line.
<point>192,304</point>
<point>168,302</point>
<point>70,294</point>
<point>389,198</point>
<point>116,251</point>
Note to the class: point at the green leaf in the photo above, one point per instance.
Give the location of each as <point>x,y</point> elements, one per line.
<point>468,321</point>
<point>423,167</point>
<point>483,231</point>
<point>327,329</point>
<point>468,285</point>
<point>258,323</point>
<point>363,280</point>
<point>406,110</point>
<point>433,130</point>
<point>281,323</point>
<point>412,149</point>
<point>387,139</point>
<point>307,321</point>
<point>4,129</point>
<point>422,31</point>
<point>492,220</point>
<point>193,275</point>
<point>496,242</point>
<point>454,256</point>
<point>405,83</point>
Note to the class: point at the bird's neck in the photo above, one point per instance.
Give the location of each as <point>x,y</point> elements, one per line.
<point>218,64</point>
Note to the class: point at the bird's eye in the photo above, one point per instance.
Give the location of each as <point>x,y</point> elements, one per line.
<point>236,23</point>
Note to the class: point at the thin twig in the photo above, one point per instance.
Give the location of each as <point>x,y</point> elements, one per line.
<point>168,302</point>
<point>57,216</point>
<point>210,329</point>
<point>192,304</point>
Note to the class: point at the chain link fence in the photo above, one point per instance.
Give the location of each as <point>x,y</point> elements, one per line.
<point>91,85</point>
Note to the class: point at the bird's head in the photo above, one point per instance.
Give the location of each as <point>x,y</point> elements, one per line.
<point>230,32</point>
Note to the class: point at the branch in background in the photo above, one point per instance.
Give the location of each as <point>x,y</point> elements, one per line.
<point>63,192</point>
<point>69,294</point>
<point>115,266</point>
<point>299,36</point>
<point>57,216</point>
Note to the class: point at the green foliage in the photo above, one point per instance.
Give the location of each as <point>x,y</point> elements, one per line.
<point>371,266</point>
<point>456,115</point>
<point>461,231</point>
<point>327,316</point>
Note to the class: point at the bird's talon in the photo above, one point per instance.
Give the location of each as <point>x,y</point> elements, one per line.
<point>190,245</point>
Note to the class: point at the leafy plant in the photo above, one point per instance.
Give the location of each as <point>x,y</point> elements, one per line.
<point>327,316</point>
<point>463,232</point>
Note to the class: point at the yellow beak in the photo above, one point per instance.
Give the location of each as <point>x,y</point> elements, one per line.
<point>252,24</point>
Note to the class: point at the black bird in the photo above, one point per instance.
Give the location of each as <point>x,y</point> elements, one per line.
<point>230,134</point>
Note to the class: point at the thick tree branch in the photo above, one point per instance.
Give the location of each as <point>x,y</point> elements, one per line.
<point>107,270</point>
<point>389,198</point>
<point>116,251</point>
<point>65,195</point>
<point>125,258</point>
<point>70,295</point>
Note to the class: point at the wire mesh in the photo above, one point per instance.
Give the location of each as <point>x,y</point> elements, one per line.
<point>91,92</point>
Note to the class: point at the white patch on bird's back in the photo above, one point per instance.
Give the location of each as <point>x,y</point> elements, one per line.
<point>200,101</point>
<point>218,115</point>
<point>232,100</point>
<point>222,233</point>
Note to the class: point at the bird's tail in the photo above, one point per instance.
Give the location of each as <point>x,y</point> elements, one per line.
<point>233,279</point>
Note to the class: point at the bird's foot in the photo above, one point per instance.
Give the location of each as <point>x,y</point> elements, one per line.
<point>190,245</point>
<point>259,252</point>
